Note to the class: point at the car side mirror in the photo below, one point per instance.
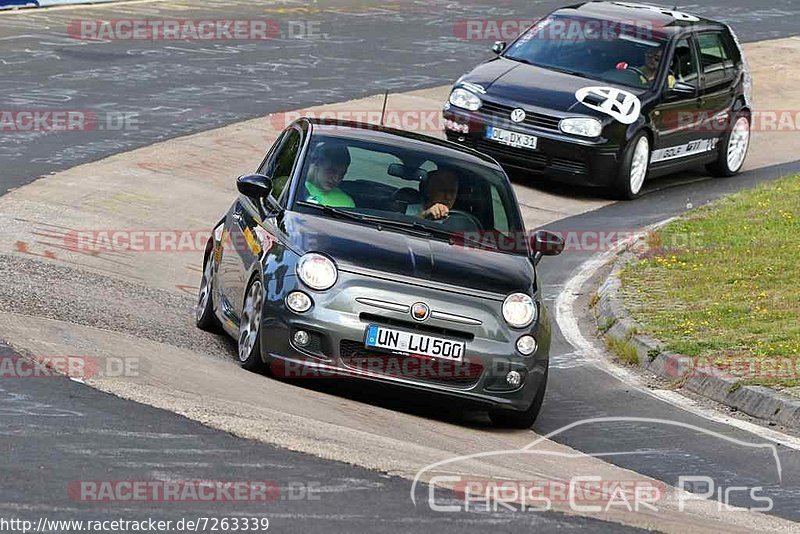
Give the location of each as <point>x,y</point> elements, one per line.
<point>255,186</point>
<point>498,47</point>
<point>544,243</point>
<point>682,89</point>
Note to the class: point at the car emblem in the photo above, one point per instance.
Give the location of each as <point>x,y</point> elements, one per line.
<point>518,115</point>
<point>420,311</point>
<point>622,105</point>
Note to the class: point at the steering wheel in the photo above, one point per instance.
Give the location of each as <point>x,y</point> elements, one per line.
<point>456,216</point>
<point>638,71</point>
<point>404,197</point>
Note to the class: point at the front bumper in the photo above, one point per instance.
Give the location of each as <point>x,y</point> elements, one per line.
<point>338,320</point>
<point>558,156</point>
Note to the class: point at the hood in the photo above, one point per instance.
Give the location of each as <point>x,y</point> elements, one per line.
<point>513,81</point>
<point>394,252</point>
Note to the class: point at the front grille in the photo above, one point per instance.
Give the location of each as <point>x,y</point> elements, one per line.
<point>566,165</point>
<point>530,157</point>
<point>461,374</point>
<point>498,113</point>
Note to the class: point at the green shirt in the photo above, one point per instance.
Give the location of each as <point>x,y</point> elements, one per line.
<point>335,198</point>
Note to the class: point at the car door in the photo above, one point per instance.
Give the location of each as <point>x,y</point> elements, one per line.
<point>677,119</point>
<point>243,225</point>
<point>717,88</point>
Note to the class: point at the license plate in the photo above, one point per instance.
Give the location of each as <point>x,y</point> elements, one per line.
<point>379,337</point>
<point>515,139</point>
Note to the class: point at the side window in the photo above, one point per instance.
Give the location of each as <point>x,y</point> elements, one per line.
<point>280,164</point>
<point>684,65</point>
<point>714,57</point>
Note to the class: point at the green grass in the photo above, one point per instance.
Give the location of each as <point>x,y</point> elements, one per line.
<point>723,284</point>
<point>624,350</point>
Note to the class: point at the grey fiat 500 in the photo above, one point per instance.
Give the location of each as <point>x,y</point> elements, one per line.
<point>367,252</point>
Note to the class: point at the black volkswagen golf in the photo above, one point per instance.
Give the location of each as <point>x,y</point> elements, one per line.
<point>367,252</point>
<point>607,94</point>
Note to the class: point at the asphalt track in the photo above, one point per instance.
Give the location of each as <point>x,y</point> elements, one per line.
<point>352,49</point>
<point>96,433</point>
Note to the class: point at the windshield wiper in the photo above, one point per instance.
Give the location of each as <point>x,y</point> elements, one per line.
<point>521,60</point>
<point>549,67</point>
<point>565,71</point>
<point>330,210</point>
<point>438,232</point>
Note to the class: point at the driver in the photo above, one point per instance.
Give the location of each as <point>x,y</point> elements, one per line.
<point>441,193</point>
<point>328,166</point>
<point>651,64</point>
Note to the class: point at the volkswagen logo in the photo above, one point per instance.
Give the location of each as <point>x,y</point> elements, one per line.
<point>420,311</point>
<point>518,115</point>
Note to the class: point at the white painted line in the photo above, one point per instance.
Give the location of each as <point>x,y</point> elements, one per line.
<point>566,318</point>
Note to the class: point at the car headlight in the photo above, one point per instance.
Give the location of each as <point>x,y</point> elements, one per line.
<point>581,126</point>
<point>519,310</point>
<point>316,271</point>
<point>464,99</point>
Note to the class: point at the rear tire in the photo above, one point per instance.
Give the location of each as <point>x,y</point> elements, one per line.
<point>633,169</point>
<point>733,148</point>
<point>205,318</point>
<point>249,339</point>
<point>525,419</point>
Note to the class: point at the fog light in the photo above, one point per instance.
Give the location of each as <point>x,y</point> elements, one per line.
<point>301,338</point>
<point>526,345</point>
<point>514,379</point>
<point>299,302</point>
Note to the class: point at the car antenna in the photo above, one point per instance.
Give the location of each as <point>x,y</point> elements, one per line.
<point>385,98</point>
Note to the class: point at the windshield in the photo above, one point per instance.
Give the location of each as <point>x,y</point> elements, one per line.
<point>592,48</point>
<point>417,191</point>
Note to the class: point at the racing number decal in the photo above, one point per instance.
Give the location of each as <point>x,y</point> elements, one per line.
<point>622,105</point>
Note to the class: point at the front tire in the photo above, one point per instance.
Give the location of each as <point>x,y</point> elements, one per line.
<point>249,339</point>
<point>733,149</point>
<point>205,318</point>
<point>633,169</point>
<point>525,419</point>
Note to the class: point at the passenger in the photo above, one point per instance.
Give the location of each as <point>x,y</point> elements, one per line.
<point>441,193</point>
<point>328,166</point>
